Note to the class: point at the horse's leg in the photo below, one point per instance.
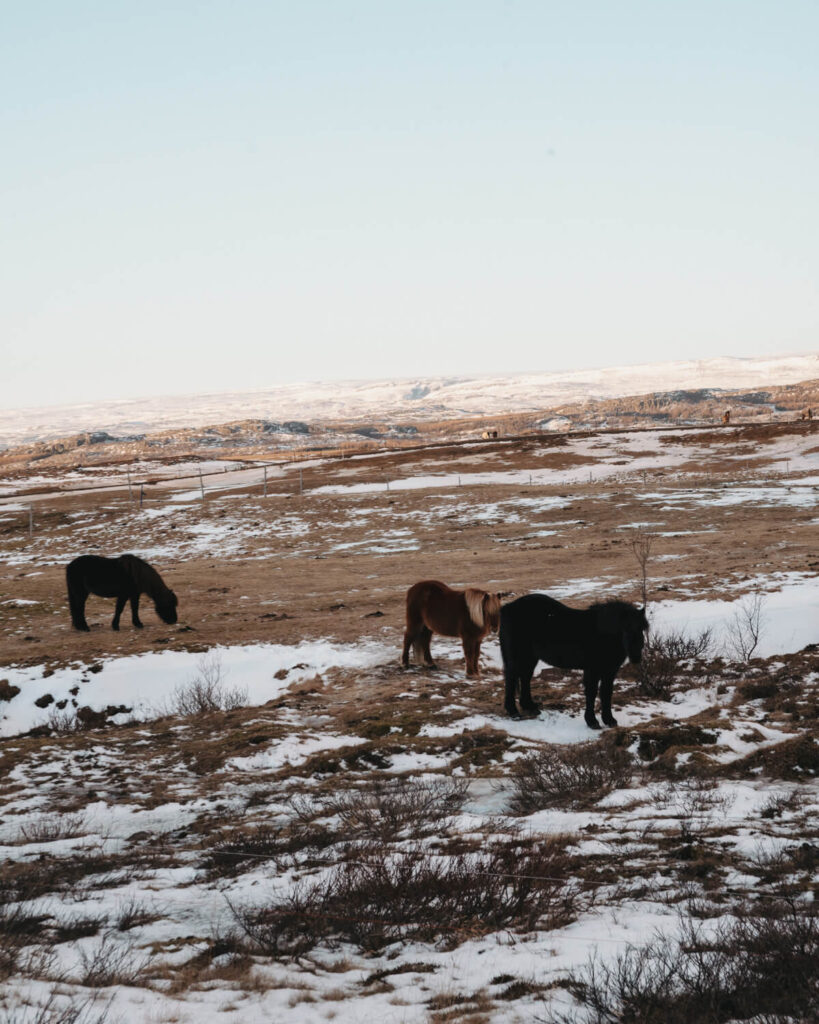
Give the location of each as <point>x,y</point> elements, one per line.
<point>122,600</point>
<point>423,641</point>
<point>526,702</point>
<point>590,680</point>
<point>606,688</point>
<point>510,672</point>
<point>472,654</point>
<point>76,602</point>
<point>407,644</point>
<point>135,611</point>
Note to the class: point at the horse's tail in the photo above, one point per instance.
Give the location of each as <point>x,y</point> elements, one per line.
<point>77,593</point>
<point>511,674</point>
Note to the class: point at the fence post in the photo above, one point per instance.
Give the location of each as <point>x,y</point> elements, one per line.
<point>265,481</point>
<point>301,481</point>
<point>141,494</point>
<point>201,484</point>
<point>130,491</point>
<point>31,519</point>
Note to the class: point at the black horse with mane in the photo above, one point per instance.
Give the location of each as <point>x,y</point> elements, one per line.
<point>597,639</point>
<point>124,578</point>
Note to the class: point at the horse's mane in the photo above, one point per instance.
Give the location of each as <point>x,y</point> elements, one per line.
<point>613,615</point>
<point>474,602</point>
<point>145,576</point>
<point>493,608</point>
<point>480,601</point>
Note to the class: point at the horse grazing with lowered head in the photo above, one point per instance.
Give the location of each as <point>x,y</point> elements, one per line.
<point>124,578</point>
<point>433,607</point>
<point>597,640</point>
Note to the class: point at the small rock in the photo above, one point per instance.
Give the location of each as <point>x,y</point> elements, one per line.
<point>44,701</point>
<point>7,691</point>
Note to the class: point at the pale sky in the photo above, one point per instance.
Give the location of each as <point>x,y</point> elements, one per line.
<point>214,195</point>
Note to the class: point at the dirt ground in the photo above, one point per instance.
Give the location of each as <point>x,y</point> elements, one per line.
<point>291,566</point>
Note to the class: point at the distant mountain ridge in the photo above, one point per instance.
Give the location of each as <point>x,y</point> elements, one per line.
<point>415,399</point>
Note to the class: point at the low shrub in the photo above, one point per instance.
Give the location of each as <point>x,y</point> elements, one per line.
<point>663,656</point>
<point>415,896</point>
<point>568,776</point>
<point>764,966</point>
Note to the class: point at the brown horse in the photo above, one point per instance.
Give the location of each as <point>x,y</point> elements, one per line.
<point>432,607</point>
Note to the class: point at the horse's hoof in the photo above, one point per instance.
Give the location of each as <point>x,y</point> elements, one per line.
<point>610,722</point>
<point>532,709</point>
<point>592,723</point>
<point>513,713</point>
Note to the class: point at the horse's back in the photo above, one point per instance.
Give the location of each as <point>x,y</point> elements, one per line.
<point>102,576</point>
<point>534,611</point>
<point>441,608</point>
<point>540,628</point>
<point>424,588</point>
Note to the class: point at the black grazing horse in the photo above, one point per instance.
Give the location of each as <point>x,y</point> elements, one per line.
<point>124,578</point>
<point>597,639</point>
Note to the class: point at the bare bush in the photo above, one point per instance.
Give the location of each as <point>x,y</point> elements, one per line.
<point>744,630</point>
<point>377,812</point>
<point>110,962</point>
<point>697,802</point>
<point>207,692</point>
<point>50,828</point>
<point>641,545</point>
<point>665,653</point>
<point>415,896</point>
<point>230,854</point>
<point>56,1011</point>
<point>18,926</point>
<point>131,914</point>
<point>762,967</point>
<point>63,721</point>
<point>388,807</point>
<point>570,776</point>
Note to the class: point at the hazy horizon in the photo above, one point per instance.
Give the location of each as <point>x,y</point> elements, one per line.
<point>371,380</point>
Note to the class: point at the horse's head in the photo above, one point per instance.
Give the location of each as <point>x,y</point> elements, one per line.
<point>491,611</point>
<point>166,607</point>
<point>636,624</point>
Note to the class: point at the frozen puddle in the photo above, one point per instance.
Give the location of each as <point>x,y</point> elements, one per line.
<point>147,682</point>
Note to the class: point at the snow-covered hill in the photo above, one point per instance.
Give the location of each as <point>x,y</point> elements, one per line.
<point>411,399</point>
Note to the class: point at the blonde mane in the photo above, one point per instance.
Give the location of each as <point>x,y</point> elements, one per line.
<point>480,601</point>
<point>493,608</point>
<point>474,602</point>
